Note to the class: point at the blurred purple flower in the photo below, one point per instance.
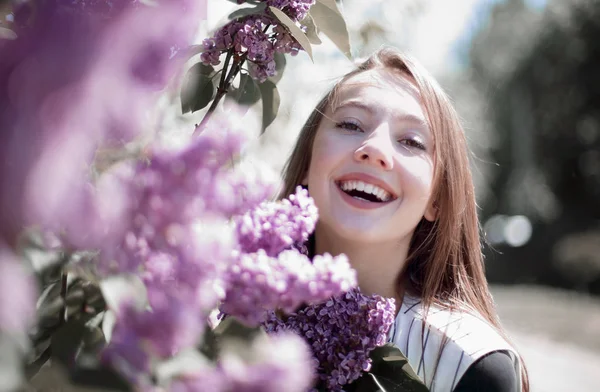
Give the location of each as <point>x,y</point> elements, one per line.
<point>207,379</point>
<point>179,190</point>
<point>341,332</point>
<point>277,363</point>
<point>275,226</point>
<point>78,75</point>
<point>17,294</point>
<point>141,336</point>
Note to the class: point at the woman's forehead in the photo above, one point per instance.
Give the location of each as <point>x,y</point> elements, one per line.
<point>381,88</point>
<point>380,77</point>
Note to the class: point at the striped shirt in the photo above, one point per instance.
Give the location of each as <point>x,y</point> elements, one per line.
<point>452,341</point>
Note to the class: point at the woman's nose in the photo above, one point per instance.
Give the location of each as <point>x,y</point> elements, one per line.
<point>376,150</point>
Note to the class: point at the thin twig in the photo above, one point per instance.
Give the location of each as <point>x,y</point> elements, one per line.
<point>224,84</point>
<point>63,295</point>
<point>221,90</point>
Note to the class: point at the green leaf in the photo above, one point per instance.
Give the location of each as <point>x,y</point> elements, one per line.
<point>250,94</point>
<point>293,29</point>
<point>100,377</point>
<point>94,298</point>
<point>331,4</point>
<point>245,11</point>
<point>198,88</point>
<point>232,328</point>
<point>280,62</point>
<point>209,346</point>
<point>390,372</point>
<point>67,340</point>
<point>331,22</point>
<point>270,103</point>
<point>245,95</point>
<point>49,305</point>
<point>311,30</point>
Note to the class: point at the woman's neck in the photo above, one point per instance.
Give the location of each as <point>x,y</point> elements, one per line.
<point>377,264</point>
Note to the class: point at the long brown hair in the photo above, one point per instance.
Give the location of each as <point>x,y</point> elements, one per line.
<point>445,261</point>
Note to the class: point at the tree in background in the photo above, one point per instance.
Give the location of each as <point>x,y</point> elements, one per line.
<point>540,73</point>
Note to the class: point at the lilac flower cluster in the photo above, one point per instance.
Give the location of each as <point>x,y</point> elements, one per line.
<point>279,363</point>
<point>143,336</point>
<point>258,283</point>
<point>342,332</point>
<point>166,196</point>
<point>274,227</point>
<point>295,9</point>
<point>163,197</point>
<point>79,75</point>
<point>97,69</point>
<point>179,242</point>
<point>258,37</point>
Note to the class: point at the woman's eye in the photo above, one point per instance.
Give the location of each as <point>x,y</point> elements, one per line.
<point>414,143</point>
<point>349,126</point>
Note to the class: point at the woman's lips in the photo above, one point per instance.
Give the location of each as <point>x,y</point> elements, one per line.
<point>360,203</point>
<point>369,180</point>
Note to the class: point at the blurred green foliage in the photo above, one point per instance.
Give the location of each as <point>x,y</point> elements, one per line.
<point>541,74</point>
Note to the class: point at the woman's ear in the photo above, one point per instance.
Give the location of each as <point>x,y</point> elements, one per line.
<point>431,213</point>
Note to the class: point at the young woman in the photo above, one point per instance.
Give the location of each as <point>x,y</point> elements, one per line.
<point>385,159</point>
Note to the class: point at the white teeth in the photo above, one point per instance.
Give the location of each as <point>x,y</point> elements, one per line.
<point>381,194</point>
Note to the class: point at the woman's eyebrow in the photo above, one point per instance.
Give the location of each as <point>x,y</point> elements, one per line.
<point>402,117</point>
<point>355,104</point>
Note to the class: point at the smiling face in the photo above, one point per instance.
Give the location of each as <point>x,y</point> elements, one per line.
<point>372,165</point>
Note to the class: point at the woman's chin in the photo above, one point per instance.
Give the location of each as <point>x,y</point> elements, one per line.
<point>360,233</point>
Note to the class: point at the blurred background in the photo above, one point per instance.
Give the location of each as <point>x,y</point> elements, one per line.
<point>525,77</point>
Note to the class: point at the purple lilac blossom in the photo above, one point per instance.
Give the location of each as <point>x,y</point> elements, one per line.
<point>275,226</point>
<point>17,294</point>
<point>250,36</point>
<point>261,72</point>
<point>206,379</point>
<point>78,75</point>
<point>179,241</point>
<point>142,336</point>
<point>284,42</point>
<point>278,363</point>
<point>247,37</point>
<point>176,190</point>
<point>295,9</point>
<point>341,332</point>
<point>258,283</point>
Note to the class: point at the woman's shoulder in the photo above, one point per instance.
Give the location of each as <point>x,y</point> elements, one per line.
<point>493,372</point>
<point>441,344</point>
